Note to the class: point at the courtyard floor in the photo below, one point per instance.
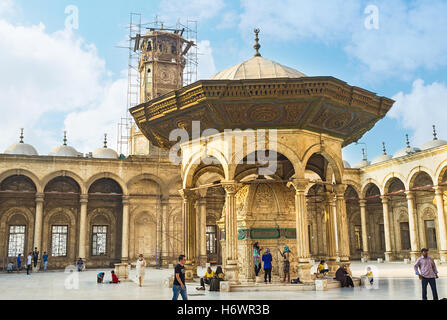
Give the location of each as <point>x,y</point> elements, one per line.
<point>393,281</point>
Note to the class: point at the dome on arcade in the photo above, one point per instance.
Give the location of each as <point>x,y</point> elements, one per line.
<point>64,150</point>
<point>362,163</point>
<point>346,164</point>
<point>433,143</point>
<point>104,152</point>
<point>383,157</point>
<point>21,148</point>
<point>406,151</point>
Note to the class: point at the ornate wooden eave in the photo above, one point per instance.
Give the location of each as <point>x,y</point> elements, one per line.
<point>320,104</point>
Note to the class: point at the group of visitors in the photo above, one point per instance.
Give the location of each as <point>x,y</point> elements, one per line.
<point>267,261</point>
<point>31,262</point>
<point>212,278</point>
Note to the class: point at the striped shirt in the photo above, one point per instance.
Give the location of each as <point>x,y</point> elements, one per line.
<point>425,267</point>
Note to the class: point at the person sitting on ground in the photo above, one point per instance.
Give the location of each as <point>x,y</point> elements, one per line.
<point>100,277</point>
<point>370,276</point>
<point>344,277</point>
<point>114,277</point>
<point>215,281</point>
<point>322,269</point>
<point>10,267</point>
<point>80,265</point>
<point>206,278</point>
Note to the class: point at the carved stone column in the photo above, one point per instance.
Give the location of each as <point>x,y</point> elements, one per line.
<point>83,227</point>
<point>203,258</point>
<point>412,226</point>
<point>302,236</point>
<point>231,268</point>
<point>342,223</point>
<point>442,227</point>
<point>331,234</point>
<point>365,251</point>
<point>164,230</point>
<point>387,230</point>
<point>125,231</point>
<point>189,232</point>
<point>38,223</point>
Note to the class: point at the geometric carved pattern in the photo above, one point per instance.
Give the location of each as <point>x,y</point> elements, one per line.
<point>266,233</point>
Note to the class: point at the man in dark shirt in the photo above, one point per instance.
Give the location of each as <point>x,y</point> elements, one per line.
<point>35,257</point>
<point>179,279</point>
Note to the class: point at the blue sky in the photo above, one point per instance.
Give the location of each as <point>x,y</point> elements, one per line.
<point>57,79</point>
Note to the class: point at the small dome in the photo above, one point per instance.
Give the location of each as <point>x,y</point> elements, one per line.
<point>433,144</point>
<point>257,68</point>
<point>64,150</point>
<point>405,152</point>
<point>104,152</point>
<point>381,158</point>
<point>361,164</point>
<point>22,148</point>
<point>346,164</point>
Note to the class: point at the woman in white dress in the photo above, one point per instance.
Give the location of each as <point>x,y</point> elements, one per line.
<point>141,269</point>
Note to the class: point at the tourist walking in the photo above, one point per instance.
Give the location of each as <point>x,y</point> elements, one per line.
<point>35,256</point>
<point>257,258</point>
<point>179,286</point>
<point>28,262</point>
<point>80,265</point>
<point>267,259</point>
<point>286,263</point>
<point>141,269</point>
<point>344,277</point>
<point>19,262</point>
<point>425,268</point>
<point>45,261</point>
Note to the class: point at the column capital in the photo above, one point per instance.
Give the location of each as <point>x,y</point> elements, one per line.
<point>299,184</point>
<point>164,201</point>
<point>83,198</point>
<point>438,190</point>
<point>231,187</point>
<point>188,194</point>
<point>125,200</point>
<point>201,201</point>
<point>410,195</point>
<point>362,203</point>
<point>340,189</point>
<point>40,196</point>
<point>384,199</point>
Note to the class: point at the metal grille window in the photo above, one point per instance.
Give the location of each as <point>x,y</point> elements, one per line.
<point>59,235</point>
<point>99,245</point>
<point>405,235</point>
<point>16,242</point>
<point>211,239</point>
<point>430,233</point>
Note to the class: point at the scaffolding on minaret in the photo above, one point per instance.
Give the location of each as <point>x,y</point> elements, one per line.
<point>135,27</point>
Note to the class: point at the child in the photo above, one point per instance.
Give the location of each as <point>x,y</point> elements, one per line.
<point>369,274</point>
<point>100,277</point>
<point>114,278</point>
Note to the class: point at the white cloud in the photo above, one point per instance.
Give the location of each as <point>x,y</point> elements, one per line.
<point>410,36</point>
<point>206,67</point>
<point>6,7</point>
<point>418,110</point>
<point>46,76</point>
<point>199,10</point>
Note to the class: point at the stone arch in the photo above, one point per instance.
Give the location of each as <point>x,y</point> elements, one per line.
<point>415,173</point>
<point>196,159</point>
<point>387,180</point>
<point>333,160</point>
<point>13,216</point>
<point>70,219</point>
<point>108,175</point>
<point>367,185</point>
<point>103,216</point>
<point>392,180</point>
<point>64,173</point>
<point>22,172</point>
<point>280,148</point>
<point>147,176</point>
<point>441,172</point>
<point>356,186</point>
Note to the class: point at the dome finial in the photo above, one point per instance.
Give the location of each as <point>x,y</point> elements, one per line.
<point>257,46</point>
<point>21,135</point>
<point>105,140</point>
<point>384,148</point>
<point>408,141</point>
<point>363,154</point>
<point>65,138</point>
<point>435,135</point>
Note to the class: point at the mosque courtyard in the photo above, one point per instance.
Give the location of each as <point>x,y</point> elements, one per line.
<point>396,281</point>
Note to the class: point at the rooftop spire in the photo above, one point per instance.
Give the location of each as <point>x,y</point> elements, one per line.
<point>363,154</point>
<point>435,136</point>
<point>257,46</point>
<point>408,141</point>
<point>105,140</point>
<point>65,138</point>
<point>383,148</point>
<point>21,135</point>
